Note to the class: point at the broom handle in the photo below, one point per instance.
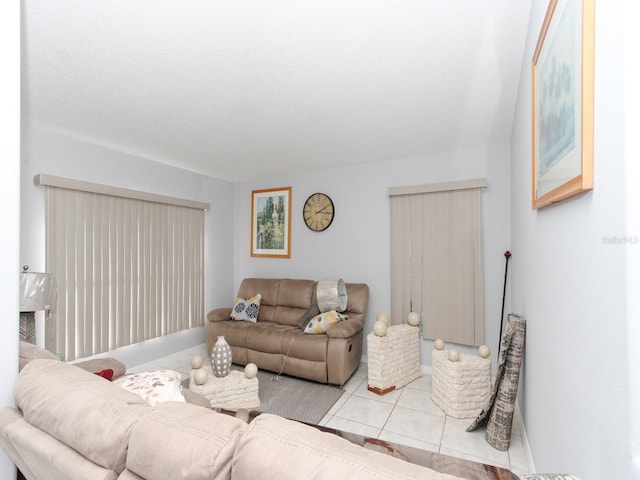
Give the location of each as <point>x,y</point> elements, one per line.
<point>507,255</point>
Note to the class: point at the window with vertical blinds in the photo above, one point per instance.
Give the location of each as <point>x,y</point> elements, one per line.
<point>436,259</point>
<point>127,269</point>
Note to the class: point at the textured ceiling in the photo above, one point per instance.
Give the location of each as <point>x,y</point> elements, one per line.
<point>245,89</point>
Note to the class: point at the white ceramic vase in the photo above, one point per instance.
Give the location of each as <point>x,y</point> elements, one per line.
<point>221,357</point>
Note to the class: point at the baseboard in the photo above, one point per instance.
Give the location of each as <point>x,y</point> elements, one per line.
<point>141,353</point>
<point>525,440</point>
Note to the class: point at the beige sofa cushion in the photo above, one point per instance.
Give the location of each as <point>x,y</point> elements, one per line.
<point>310,453</point>
<point>96,365</point>
<point>179,440</point>
<point>29,351</point>
<point>82,410</point>
<point>283,300</point>
<point>40,456</point>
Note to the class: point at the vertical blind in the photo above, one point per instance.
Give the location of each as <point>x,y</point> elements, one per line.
<point>436,259</point>
<point>127,269</point>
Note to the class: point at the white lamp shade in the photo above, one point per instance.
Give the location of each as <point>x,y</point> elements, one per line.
<point>37,292</point>
<point>332,295</point>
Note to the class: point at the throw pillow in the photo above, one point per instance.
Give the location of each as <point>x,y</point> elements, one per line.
<point>307,316</point>
<point>246,310</point>
<point>321,323</point>
<point>106,373</point>
<point>154,387</point>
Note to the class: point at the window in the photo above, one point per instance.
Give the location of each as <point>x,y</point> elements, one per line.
<point>129,266</point>
<point>436,259</point>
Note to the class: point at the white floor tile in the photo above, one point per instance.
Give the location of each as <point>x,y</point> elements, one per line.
<point>390,397</point>
<point>466,456</point>
<point>422,383</point>
<point>353,383</point>
<point>325,419</point>
<point>392,437</point>
<point>346,425</point>
<point>456,438</point>
<point>339,403</point>
<point>365,411</point>
<point>362,371</point>
<point>417,425</point>
<point>419,400</point>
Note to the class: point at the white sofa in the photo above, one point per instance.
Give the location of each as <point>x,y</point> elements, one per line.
<point>71,424</point>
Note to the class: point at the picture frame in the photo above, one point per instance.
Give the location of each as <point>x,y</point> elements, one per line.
<point>271,222</point>
<point>562,103</point>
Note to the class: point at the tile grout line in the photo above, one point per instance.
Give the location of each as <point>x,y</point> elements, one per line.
<point>395,405</point>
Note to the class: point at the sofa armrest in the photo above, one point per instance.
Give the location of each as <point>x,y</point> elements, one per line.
<point>96,365</point>
<point>346,329</point>
<point>219,314</point>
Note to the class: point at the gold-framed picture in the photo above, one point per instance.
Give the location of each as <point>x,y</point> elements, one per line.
<point>271,222</point>
<point>562,102</point>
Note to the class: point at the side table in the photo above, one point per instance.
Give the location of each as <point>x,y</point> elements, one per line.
<point>393,359</point>
<point>460,388</point>
<point>233,392</point>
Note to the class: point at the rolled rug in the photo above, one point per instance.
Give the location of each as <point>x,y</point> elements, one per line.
<point>497,415</point>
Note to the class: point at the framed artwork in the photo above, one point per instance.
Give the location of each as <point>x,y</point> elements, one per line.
<point>562,102</point>
<point>271,222</point>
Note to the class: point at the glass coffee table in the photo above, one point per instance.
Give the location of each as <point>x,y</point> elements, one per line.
<point>440,463</point>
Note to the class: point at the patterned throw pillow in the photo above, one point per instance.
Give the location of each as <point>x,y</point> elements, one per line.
<point>154,387</point>
<point>307,316</point>
<point>246,310</point>
<point>321,323</point>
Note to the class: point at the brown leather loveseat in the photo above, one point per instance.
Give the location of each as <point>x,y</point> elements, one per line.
<point>276,343</point>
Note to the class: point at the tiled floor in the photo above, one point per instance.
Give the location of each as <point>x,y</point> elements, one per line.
<point>406,416</point>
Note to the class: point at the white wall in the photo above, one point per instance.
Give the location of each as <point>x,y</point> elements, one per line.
<point>49,152</point>
<point>9,214</point>
<point>356,245</point>
<point>570,284</point>
<point>632,177</point>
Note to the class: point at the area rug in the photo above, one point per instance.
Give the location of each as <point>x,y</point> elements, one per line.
<point>295,398</point>
<point>292,397</point>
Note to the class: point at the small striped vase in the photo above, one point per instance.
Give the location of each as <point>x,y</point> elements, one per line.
<point>221,357</point>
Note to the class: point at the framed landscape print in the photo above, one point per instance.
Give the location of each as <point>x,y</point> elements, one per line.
<point>562,103</point>
<point>271,222</point>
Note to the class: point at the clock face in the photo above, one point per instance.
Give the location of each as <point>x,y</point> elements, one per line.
<point>318,212</point>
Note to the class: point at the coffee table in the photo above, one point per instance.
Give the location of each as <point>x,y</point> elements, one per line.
<point>435,461</point>
<point>232,392</point>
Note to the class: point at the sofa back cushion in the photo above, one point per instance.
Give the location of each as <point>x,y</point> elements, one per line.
<point>268,288</point>
<point>40,456</point>
<point>29,352</point>
<point>280,449</point>
<point>284,300</point>
<point>179,440</point>
<point>82,410</point>
<point>294,299</point>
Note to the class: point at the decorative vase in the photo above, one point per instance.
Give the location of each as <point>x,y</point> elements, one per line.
<point>221,357</point>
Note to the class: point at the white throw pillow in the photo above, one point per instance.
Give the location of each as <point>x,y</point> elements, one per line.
<point>154,387</point>
<point>246,310</point>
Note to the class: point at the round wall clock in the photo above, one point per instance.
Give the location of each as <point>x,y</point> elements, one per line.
<point>318,212</point>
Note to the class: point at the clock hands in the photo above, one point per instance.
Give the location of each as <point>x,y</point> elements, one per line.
<point>318,212</point>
